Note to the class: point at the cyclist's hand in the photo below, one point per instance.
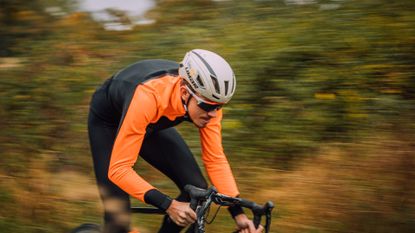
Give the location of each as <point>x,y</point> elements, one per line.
<point>181,213</point>
<point>245,225</point>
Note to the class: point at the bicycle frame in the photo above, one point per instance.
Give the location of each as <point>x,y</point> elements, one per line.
<point>201,199</point>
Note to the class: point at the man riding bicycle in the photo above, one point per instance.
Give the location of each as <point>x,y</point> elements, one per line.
<point>133,113</point>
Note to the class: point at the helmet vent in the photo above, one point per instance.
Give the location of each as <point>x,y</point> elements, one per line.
<point>215,84</point>
<point>199,80</point>
<point>226,87</point>
<point>206,64</point>
<point>214,96</point>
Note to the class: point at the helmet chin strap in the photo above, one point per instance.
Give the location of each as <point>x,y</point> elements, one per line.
<point>187,116</point>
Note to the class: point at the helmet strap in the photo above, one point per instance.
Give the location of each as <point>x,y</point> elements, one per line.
<point>185,105</point>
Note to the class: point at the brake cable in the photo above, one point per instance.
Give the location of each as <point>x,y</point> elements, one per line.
<point>213,218</point>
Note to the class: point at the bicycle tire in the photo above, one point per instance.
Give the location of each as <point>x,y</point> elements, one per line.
<point>87,228</point>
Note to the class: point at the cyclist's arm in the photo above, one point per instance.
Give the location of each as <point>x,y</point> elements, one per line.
<point>141,111</point>
<point>214,159</point>
<point>216,164</point>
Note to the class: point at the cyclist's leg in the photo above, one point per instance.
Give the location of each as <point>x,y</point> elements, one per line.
<point>167,151</point>
<point>116,201</point>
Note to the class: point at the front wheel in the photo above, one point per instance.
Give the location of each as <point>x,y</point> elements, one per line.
<point>87,228</point>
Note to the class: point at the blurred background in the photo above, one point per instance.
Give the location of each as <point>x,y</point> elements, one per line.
<point>322,122</point>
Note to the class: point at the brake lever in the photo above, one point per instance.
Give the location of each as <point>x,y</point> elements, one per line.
<point>198,194</point>
<point>268,209</point>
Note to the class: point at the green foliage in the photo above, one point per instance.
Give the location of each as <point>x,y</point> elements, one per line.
<point>308,75</point>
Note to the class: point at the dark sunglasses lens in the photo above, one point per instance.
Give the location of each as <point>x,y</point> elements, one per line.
<point>209,107</point>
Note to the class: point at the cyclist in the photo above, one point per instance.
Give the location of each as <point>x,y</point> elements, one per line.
<point>133,113</point>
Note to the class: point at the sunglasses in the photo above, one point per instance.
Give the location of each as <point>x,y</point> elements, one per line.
<point>207,107</point>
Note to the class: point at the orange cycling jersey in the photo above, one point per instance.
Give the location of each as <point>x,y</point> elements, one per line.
<point>150,105</point>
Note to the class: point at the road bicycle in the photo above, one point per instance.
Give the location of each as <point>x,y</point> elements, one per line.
<point>200,201</point>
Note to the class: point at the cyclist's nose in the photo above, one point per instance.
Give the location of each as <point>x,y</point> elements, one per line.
<point>212,114</point>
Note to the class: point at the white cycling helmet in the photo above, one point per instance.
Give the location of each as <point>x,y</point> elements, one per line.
<point>209,75</point>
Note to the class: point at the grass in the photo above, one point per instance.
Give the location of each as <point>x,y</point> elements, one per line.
<point>367,186</point>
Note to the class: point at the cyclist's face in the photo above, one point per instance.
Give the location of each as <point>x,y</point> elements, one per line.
<point>199,116</point>
<point>197,113</point>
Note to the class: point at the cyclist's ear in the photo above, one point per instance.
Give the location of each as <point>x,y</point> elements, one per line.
<point>184,93</point>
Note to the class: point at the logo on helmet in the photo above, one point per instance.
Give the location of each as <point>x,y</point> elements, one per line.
<point>190,73</point>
